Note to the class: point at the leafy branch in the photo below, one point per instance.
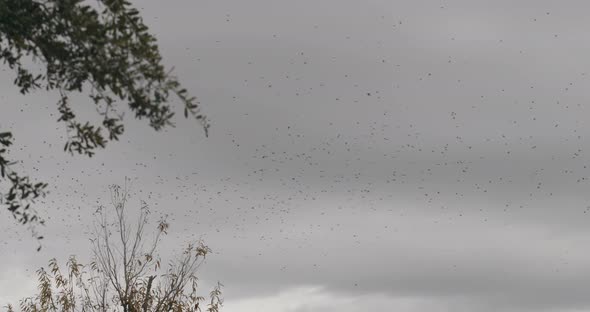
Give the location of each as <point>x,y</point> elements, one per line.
<point>104,51</point>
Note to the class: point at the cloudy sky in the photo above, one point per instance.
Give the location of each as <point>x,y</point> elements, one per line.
<point>379,155</point>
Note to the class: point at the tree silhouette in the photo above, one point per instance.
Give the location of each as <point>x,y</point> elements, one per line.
<point>126,274</point>
<point>103,50</point>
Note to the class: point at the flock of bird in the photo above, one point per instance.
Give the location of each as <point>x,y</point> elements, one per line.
<point>313,174</point>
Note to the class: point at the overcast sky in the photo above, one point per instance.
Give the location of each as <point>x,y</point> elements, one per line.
<point>372,155</point>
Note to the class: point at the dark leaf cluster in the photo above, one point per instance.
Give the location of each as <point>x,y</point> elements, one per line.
<point>102,49</point>
<point>21,192</point>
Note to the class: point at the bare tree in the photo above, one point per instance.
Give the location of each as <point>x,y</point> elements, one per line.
<point>126,273</point>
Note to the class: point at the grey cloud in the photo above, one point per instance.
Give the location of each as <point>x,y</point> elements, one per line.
<point>430,150</point>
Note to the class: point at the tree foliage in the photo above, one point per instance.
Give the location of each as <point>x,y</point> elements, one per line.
<point>126,274</point>
<point>102,49</point>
